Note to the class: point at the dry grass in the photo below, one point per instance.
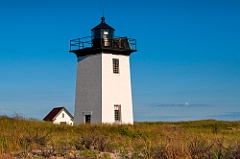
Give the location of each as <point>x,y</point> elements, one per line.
<point>210,139</point>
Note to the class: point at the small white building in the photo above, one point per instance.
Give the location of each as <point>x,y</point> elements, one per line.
<point>103,91</point>
<point>59,115</point>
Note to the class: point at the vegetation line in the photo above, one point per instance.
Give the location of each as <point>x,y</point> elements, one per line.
<point>25,138</point>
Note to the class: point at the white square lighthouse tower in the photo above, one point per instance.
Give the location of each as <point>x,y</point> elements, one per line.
<point>103,91</point>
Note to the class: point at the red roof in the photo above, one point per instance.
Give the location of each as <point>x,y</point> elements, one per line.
<point>54,112</point>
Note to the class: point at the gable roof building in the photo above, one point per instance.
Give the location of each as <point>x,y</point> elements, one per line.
<point>59,115</point>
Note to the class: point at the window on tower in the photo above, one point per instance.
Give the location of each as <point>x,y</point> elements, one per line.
<point>115,66</point>
<point>117,113</point>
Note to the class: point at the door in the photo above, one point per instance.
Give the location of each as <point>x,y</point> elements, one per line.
<point>87,118</point>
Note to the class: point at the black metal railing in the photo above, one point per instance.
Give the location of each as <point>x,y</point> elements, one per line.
<point>80,43</point>
<point>103,42</point>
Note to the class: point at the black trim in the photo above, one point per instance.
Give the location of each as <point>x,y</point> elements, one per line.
<point>91,51</point>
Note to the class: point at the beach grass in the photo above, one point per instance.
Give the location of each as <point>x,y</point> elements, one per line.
<point>28,138</point>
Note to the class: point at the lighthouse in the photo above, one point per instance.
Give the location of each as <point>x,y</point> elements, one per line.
<point>103,89</point>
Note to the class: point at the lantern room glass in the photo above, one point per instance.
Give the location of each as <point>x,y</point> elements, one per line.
<point>102,33</point>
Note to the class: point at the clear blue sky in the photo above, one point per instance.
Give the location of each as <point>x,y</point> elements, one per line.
<point>187,66</point>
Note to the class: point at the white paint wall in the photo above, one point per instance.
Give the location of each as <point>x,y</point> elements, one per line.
<point>98,89</point>
<point>60,119</point>
<point>89,88</point>
<point>116,89</point>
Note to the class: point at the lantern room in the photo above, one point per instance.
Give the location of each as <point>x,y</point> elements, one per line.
<point>102,34</point>
<point>102,39</point>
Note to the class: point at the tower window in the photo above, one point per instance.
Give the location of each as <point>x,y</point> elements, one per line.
<point>115,66</point>
<point>62,115</point>
<point>117,113</point>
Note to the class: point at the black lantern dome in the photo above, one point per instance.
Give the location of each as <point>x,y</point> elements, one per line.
<point>102,40</point>
<point>102,25</point>
<point>102,34</point>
